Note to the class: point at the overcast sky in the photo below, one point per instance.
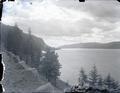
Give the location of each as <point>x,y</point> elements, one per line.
<point>61,22</point>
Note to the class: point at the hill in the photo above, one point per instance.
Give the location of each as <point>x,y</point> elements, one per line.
<point>92,45</point>
<point>18,77</point>
<point>27,46</point>
<point>11,33</point>
<point>22,54</point>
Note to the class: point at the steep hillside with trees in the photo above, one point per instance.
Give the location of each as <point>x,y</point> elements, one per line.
<point>28,47</point>
<point>29,61</point>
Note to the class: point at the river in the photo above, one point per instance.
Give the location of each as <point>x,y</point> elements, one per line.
<point>106,60</point>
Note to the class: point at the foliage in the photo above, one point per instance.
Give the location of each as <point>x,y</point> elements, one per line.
<point>50,66</point>
<point>95,83</point>
<point>93,76</point>
<point>111,83</point>
<point>82,78</point>
<point>28,47</point>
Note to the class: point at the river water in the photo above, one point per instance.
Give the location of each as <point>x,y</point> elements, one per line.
<point>106,60</point>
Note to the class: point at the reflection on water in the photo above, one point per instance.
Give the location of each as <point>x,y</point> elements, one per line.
<point>106,60</point>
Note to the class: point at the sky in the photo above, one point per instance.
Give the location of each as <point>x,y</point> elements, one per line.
<point>61,22</point>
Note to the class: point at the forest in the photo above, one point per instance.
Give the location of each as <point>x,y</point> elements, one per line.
<point>32,50</point>
<point>95,83</point>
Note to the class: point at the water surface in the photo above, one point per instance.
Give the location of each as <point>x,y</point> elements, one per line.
<point>106,60</point>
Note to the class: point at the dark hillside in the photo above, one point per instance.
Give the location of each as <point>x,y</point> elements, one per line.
<point>27,46</point>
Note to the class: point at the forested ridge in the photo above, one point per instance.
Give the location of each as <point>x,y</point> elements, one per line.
<point>25,45</point>
<point>33,51</point>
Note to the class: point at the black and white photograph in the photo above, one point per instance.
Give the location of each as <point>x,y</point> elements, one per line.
<point>60,46</point>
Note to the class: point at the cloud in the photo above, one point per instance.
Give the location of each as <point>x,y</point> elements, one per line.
<point>103,10</point>
<point>78,22</point>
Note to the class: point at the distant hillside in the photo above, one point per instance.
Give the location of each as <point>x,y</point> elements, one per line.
<point>111,45</point>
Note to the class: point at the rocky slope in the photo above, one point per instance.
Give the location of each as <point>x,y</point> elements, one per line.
<point>18,76</point>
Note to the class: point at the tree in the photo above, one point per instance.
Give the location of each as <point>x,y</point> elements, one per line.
<point>110,83</point>
<point>28,43</point>
<point>50,66</point>
<point>14,40</point>
<point>93,77</point>
<point>100,81</point>
<point>82,78</point>
<point>32,49</point>
<point>28,48</point>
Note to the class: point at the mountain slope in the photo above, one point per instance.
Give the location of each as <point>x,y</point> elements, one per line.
<point>21,56</point>
<point>16,33</point>
<point>17,77</point>
<point>27,46</point>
